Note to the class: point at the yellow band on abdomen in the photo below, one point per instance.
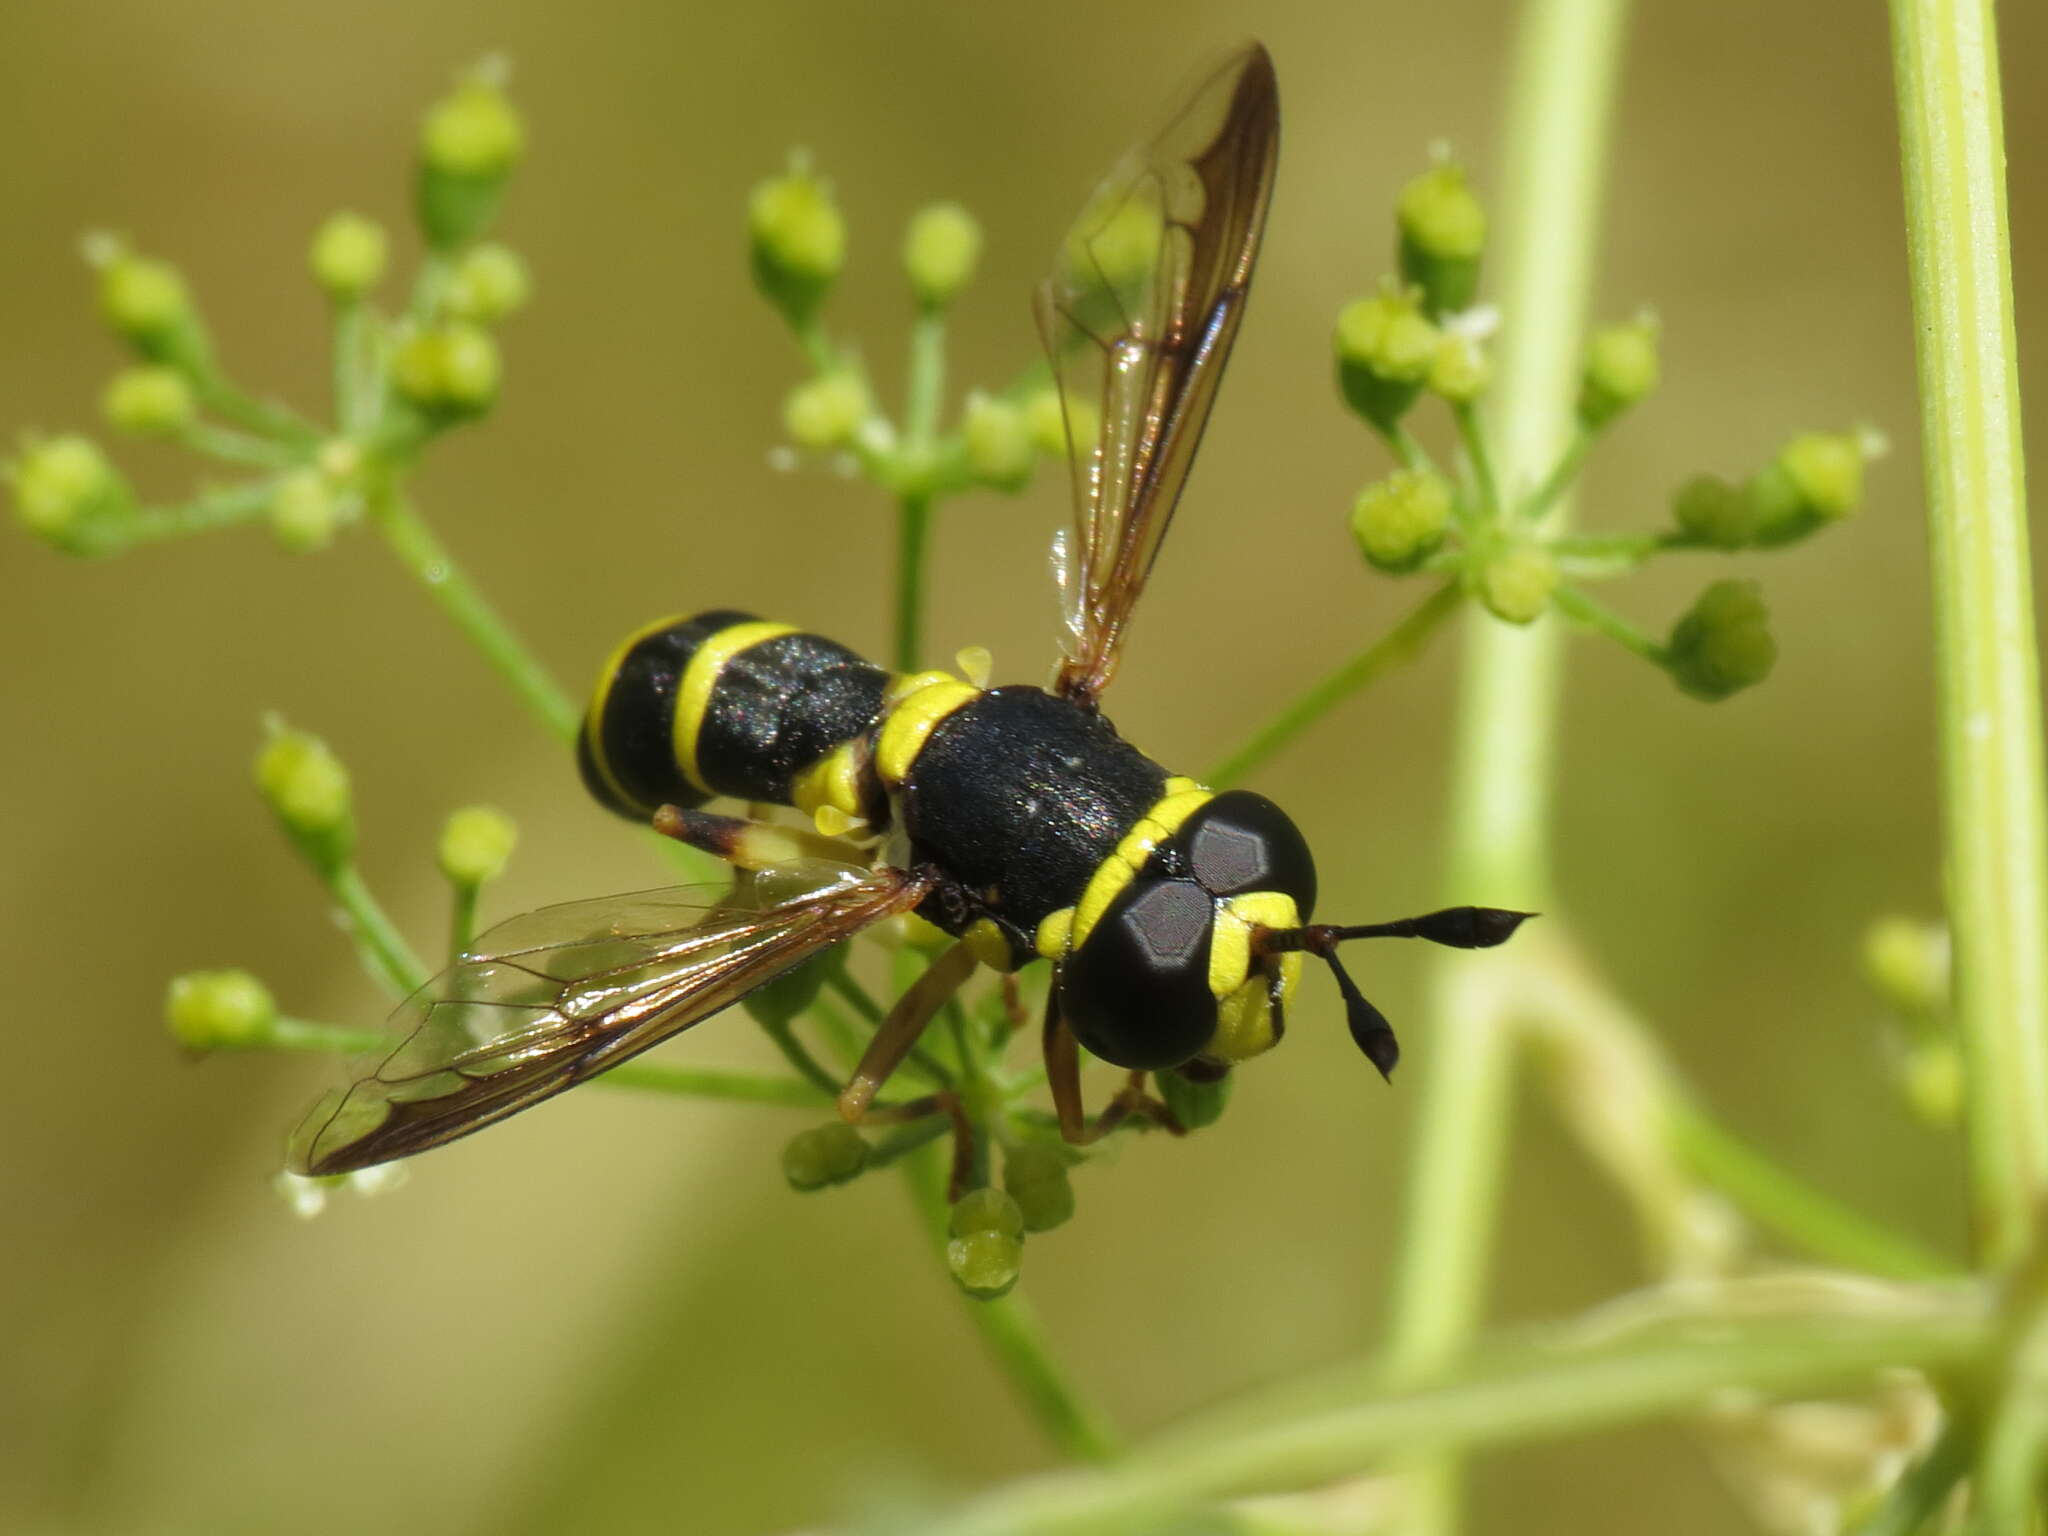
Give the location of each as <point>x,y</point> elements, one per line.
<point>700,677</point>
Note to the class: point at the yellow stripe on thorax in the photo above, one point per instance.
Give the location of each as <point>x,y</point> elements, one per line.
<point>700,677</point>
<point>593,717</point>
<point>1179,800</point>
<point>915,705</point>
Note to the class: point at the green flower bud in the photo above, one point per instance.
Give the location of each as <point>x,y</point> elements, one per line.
<point>476,842</point>
<point>1035,1174</point>
<point>826,412</point>
<point>985,1263</point>
<point>308,789</point>
<point>1723,644</point>
<point>490,283</point>
<point>1400,521</point>
<point>1908,963</point>
<point>1816,479</point>
<point>348,255</point>
<point>790,995</point>
<point>1111,250</point>
<point>1194,1105</point>
<point>940,251</point>
<point>1443,232</point>
<point>450,372</point>
<point>1932,1077</point>
<point>1621,369</point>
<point>1715,512</point>
<point>1516,584</point>
<point>1386,348</point>
<point>154,401</point>
<point>997,437</point>
<point>986,1210</point>
<point>825,1154</point>
<point>1048,423</point>
<point>145,301</point>
<point>305,512</point>
<point>1827,470</point>
<point>798,241</point>
<point>1461,370</point>
<point>469,143</point>
<point>218,1010</point>
<point>70,497</point>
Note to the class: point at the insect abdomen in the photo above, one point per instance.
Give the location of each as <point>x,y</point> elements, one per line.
<point>726,704</point>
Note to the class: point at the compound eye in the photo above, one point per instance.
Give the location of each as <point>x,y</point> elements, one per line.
<point>1136,991</point>
<point>1241,841</point>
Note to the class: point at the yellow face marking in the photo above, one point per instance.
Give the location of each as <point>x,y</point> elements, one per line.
<point>1244,1008</point>
<point>593,717</point>
<point>985,941</point>
<point>693,697</point>
<point>1179,800</point>
<point>1053,933</point>
<point>910,722</point>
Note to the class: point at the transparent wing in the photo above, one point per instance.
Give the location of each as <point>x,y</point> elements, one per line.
<point>549,999</point>
<point>1138,317</point>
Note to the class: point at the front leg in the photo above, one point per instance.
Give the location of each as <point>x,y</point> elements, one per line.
<point>1063,1074</point>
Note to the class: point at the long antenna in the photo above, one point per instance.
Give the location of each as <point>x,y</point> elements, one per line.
<point>1458,927</point>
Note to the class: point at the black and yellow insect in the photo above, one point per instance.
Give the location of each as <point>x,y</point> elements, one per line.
<point>1015,819</point>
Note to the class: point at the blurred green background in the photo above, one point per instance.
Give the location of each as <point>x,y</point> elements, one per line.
<point>611,1314</point>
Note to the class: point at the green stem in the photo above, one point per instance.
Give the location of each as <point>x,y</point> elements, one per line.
<point>383,947</point>
<point>1779,1201</point>
<point>267,418</point>
<point>2006,1490</point>
<point>1562,475</point>
<point>1924,1488</point>
<point>913,541</point>
<point>1011,1330</point>
<point>1602,620</point>
<point>349,364</point>
<point>289,1034</point>
<point>422,554</point>
<point>226,508</point>
<point>806,1065</point>
<point>1538,1387</point>
<point>927,380</point>
<point>1395,646</point>
<point>854,995</point>
<point>715,1083</point>
<point>461,917</point>
<point>1472,432</point>
<point>1563,88</point>
<point>1946,57</point>
<point>1410,454</point>
<point>234,447</point>
<point>437,271</point>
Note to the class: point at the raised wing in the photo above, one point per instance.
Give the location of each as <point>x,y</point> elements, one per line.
<point>1138,318</point>
<point>550,999</point>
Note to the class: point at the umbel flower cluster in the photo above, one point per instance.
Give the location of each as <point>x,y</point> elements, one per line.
<point>1421,334</point>
<point>405,373</point>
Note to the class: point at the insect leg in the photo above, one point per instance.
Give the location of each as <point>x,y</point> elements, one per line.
<point>751,844</point>
<point>1063,1074</point>
<point>900,1030</point>
<point>893,1041</point>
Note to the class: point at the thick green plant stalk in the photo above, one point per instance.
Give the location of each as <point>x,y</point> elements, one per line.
<point>1563,88</point>
<point>1946,57</point>
<point>1540,1384</point>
